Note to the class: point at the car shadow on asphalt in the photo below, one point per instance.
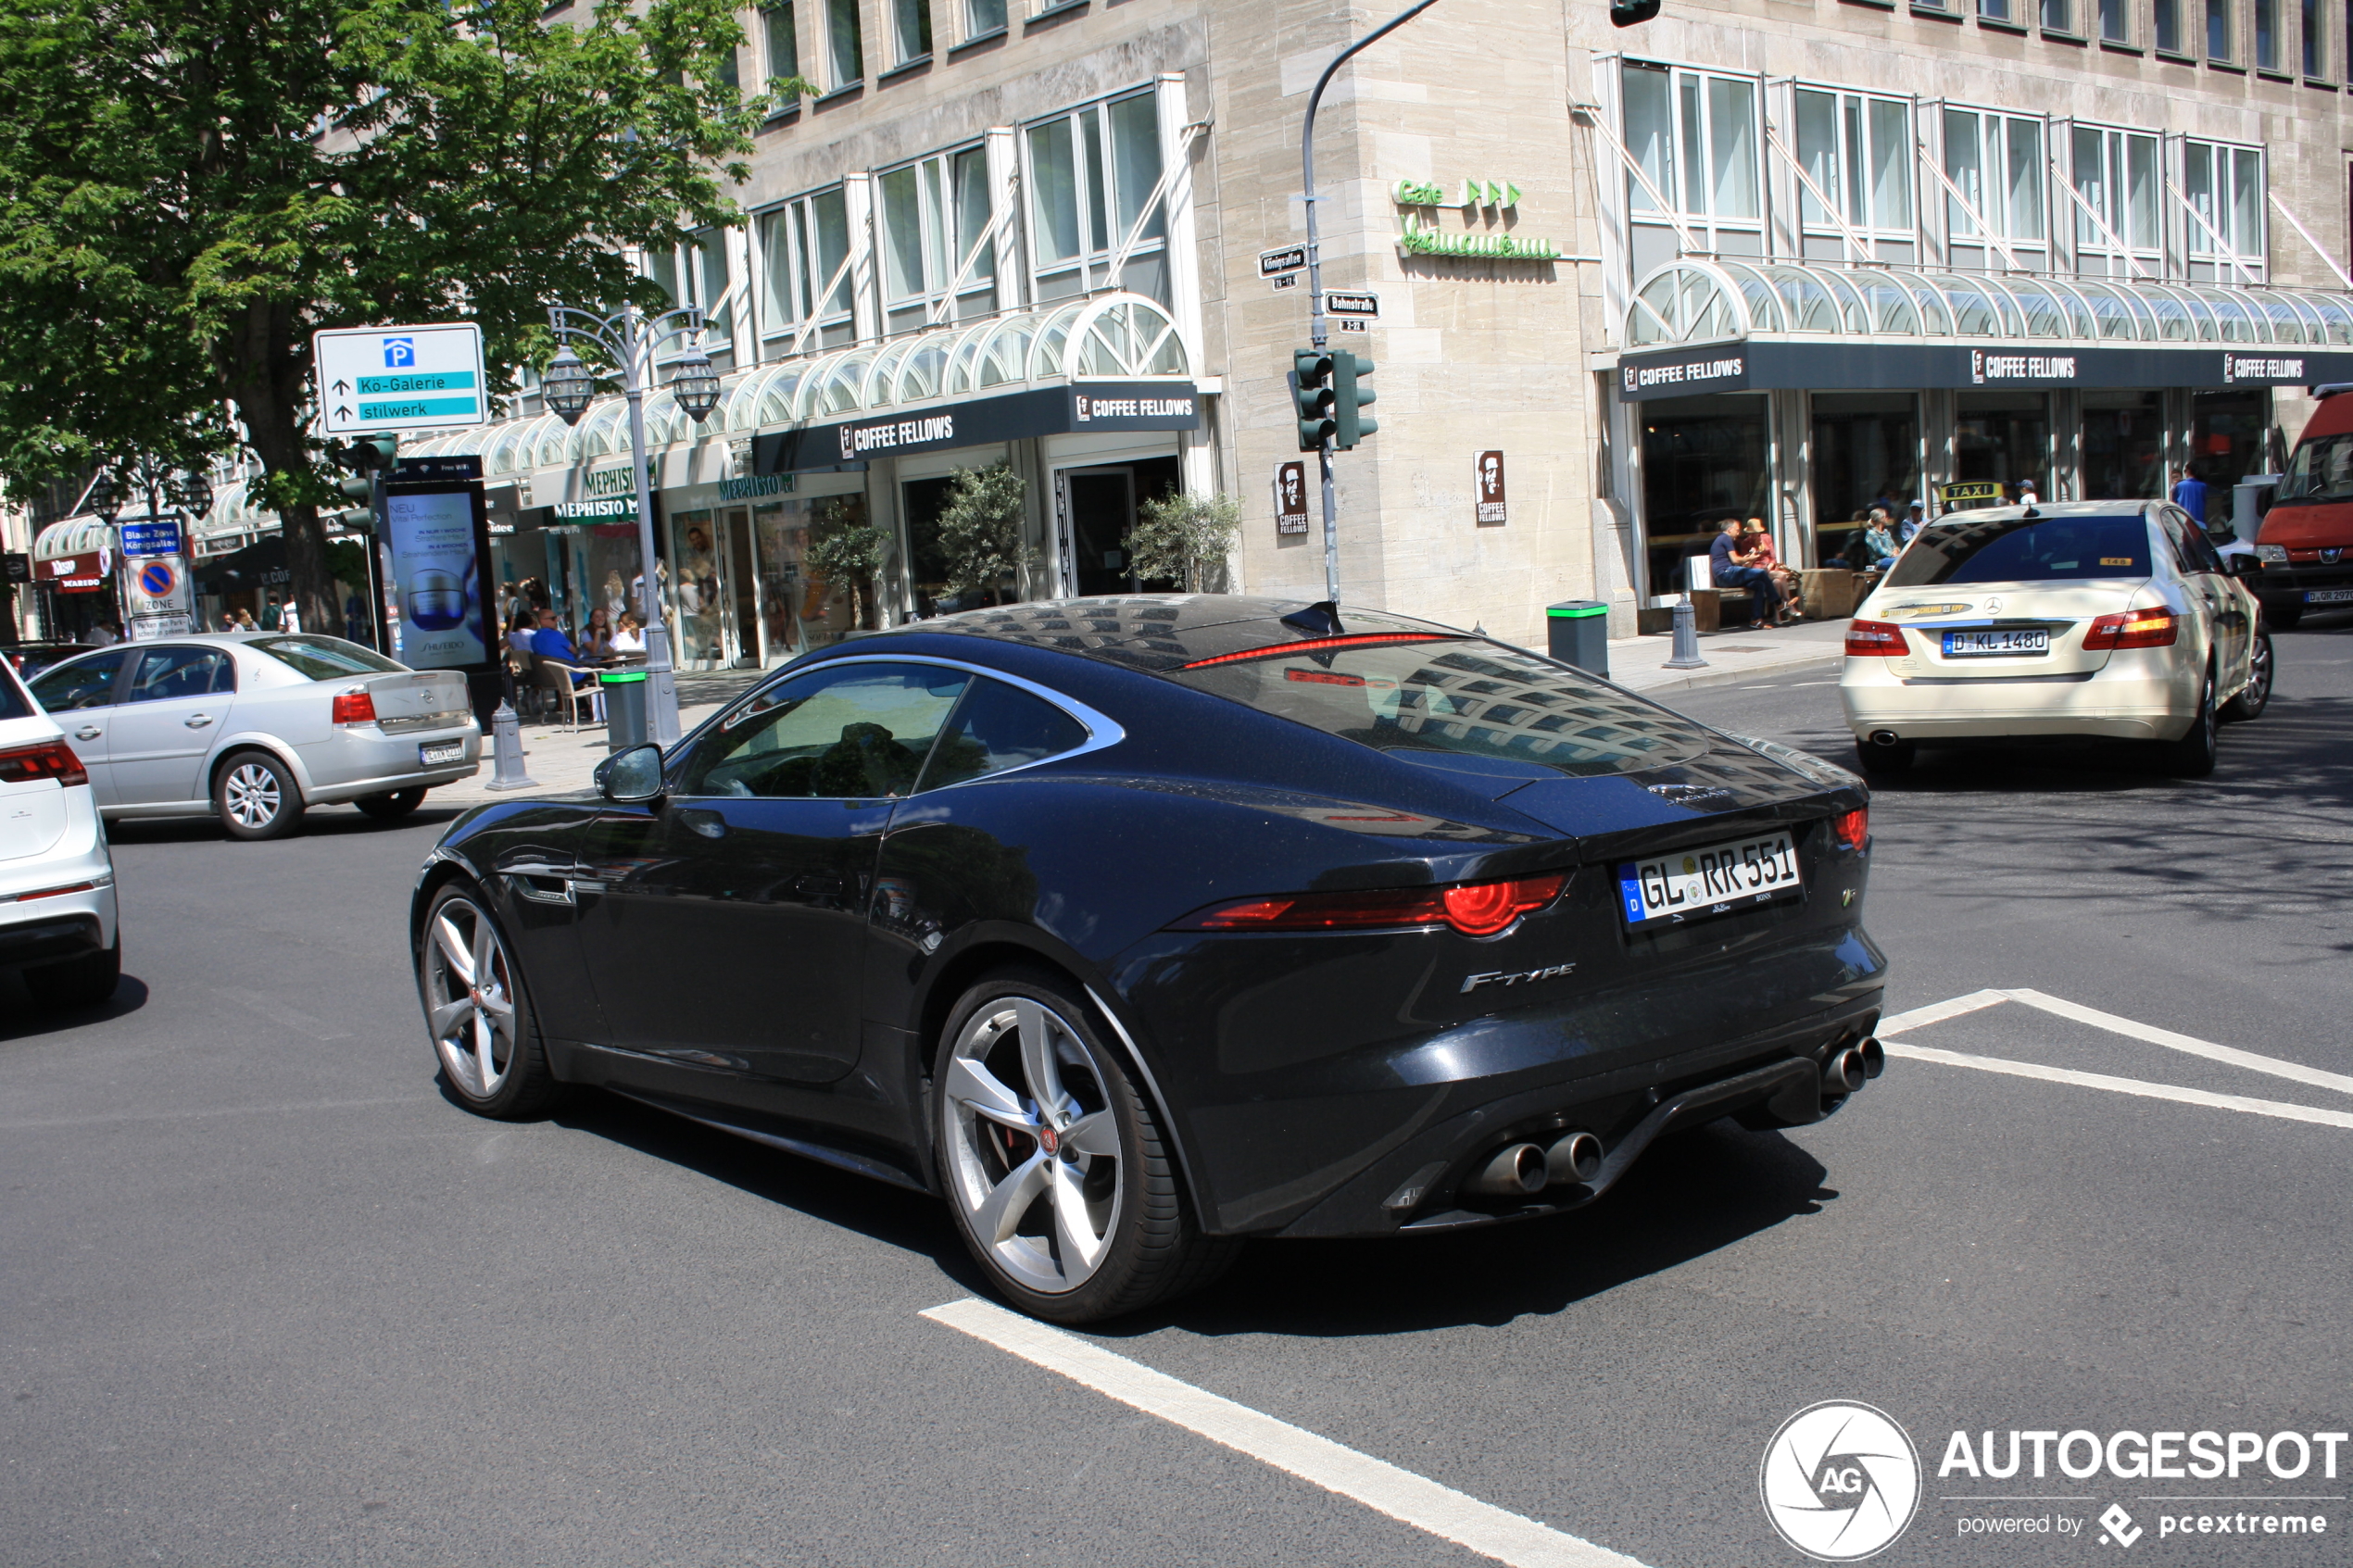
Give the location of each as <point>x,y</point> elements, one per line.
<point>320,821</point>
<point>22,1017</point>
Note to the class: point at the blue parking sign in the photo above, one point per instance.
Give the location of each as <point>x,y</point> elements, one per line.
<point>399,352</point>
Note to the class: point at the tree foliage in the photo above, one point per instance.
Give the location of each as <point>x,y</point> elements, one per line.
<point>189,188</point>
<point>1183,539</point>
<point>980,531</point>
<point>845,551</point>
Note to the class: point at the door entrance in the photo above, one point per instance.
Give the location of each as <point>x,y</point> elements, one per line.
<point>716,590</point>
<point>1101,504</point>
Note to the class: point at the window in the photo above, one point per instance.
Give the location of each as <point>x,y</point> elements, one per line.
<point>2320,471</point>
<point>910,29</point>
<point>804,271</point>
<point>2217,30</point>
<point>853,731</point>
<point>1695,136</point>
<point>1994,10</point>
<point>2267,34</point>
<point>696,273</point>
<point>982,17</point>
<point>2058,15</point>
<point>84,682</point>
<point>326,659</point>
<point>998,728</point>
<point>938,261</point>
<point>1094,177</point>
<point>1857,150</point>
<point>2115,27</point>
<point>2225,188</point>
<point>2315,51</point>
<point>1996,161</point>
<point>2116,175</point>
<point>2025,550</point>
<point>845,49</point>
<point>781,50</point>
<point>2169,26</point>
<point>166,674</point>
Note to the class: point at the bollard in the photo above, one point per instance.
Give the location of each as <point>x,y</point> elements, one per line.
<point>505,751</point>
<point>1686,640</point>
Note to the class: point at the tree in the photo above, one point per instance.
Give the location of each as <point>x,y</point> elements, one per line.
<point>188,188</point>
<point>1182,538</point>
<point>845,551</point>
<point>980,531</point>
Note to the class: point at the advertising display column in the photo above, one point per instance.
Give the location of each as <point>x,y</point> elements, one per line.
<point>437,545</point>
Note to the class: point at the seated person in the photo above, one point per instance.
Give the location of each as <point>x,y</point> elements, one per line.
<point>549,642</point>
<point>1759,552</point>
<point>1879,541</point>
<point>1724,559</point>
<point>631,638</point>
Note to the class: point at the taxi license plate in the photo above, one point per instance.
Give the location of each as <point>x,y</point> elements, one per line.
<point>433,752</point>
<point>2329,596</point>
<point>1690,883</point>
<point>1979,645</point>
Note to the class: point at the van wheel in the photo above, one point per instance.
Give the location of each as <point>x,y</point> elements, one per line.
<point>256,797</point>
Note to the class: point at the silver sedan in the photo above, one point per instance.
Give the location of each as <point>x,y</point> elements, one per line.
<point>254,727</point>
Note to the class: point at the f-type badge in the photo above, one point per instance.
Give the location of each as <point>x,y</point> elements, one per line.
<point>1499,977</point>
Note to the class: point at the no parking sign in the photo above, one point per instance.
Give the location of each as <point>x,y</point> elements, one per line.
<point>158,597</point>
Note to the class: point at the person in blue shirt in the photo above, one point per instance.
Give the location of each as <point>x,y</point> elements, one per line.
<point>1723,565</point>
<point>549,642</point>
<point>2189,493</point>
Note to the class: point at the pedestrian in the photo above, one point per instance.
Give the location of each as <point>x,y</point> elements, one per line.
<point>245,622</point>
<point>2189,492</point>
<point>1724,566</point>
<point>273,615</point>
<point>289,619</point>
<point>1914,518</point>
<point>102,634</point>
<point>2026,497</point>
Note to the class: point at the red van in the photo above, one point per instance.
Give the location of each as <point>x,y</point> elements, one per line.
<point>2306,548</point>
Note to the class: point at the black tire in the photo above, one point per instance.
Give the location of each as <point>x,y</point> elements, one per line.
<point>77,982</point>
<point>255,796</point>
<point>1886,761</point>
<point>2256,696</point>
<point>1152,1245</point>
<point>393,806</point>
<point>2283,615</point>
<point>2192,757</point>
<point>518,1083</point>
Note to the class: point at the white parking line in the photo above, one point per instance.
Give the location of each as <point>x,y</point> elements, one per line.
<point>1379,1486</point>
<point>2279,1108</point>
<point>2187,1044</point>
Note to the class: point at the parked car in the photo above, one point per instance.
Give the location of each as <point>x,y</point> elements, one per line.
<point>1132,926</point>
<point>2304,553</point>
<point>57,925</point>
<point>255,727</point>
<point>29,660</point>
<point>2075,621</point>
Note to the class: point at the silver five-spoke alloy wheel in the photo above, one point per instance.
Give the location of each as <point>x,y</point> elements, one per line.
<point>470,1001</point>
<point>1033,1151</point>
<point>252,796</point>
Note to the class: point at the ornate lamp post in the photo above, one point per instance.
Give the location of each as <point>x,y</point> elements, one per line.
<point>631,342</point>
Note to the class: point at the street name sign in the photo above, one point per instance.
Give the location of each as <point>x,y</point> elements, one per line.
<point>1283,258</point>
<point>158,536</point>
<point>1353,303</point>
<point>375,379</point>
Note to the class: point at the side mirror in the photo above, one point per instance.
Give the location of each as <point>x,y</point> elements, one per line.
<point>631,777</point>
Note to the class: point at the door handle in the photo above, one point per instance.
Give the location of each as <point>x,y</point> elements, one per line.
<point>197,721</point>
<point>88,732</point>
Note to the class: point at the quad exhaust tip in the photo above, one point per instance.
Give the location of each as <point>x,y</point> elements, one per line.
<point>1845,1073</point>
<point>1518,1170</point>
<point>1874,1057</point>
<point>1576,1159</point>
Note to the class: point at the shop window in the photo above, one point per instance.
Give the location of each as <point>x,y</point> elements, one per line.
<point>1857,151</point>
<point>2003,436</point>
<point>2226,439</point>
<point>1696,138</point>
<point>780,51</point>
<point>696,273</point>
<point>1704,460</point>
<point>1865,453</point>
<point>2123,448</point>
<point>2267,34</point>
<point>845,48</point>
<point>2117,177</point>
<point>1996,161</point>
<point>982,17</point>
<point>938,256</point>
<point>804,273</point>
<point>2226,189</point>
<point>2169,26</point>
<point>2217,30</point>
<point>1097,217</point>
<point>910,29</point>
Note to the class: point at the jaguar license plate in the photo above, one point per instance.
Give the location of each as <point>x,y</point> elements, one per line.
<point>2329,596</point>
<point>1995,645</point>
<point>1690,883</point>
<point>433,753</point>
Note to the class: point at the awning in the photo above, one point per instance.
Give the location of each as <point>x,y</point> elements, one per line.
<point>1725,325</point>
<point>73,536</point>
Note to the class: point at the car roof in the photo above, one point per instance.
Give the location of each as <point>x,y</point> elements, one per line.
<point>2046,510</point>
<point>1162,632</point>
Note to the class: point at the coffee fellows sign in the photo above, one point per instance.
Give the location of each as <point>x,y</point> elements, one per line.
<point>1419,238</point>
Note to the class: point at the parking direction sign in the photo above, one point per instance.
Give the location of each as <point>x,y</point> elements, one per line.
<point>400,377</point>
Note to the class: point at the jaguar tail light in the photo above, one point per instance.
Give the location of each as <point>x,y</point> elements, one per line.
<point>1854,829</point>
<point>355,707</point>
<point>2134,629</point>
<point>50,760</point>
<point>1474,908</point>
<point>1874,639</point>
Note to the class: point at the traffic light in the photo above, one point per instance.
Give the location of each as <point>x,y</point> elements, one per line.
<point>1350,372</point>
<point>1625,12</point>
<point>364,456</point>
<point>1313,395</point>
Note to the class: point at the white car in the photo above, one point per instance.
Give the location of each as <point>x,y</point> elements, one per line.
<point>255,727</point>
<point>2072,621</point>
<point>57,877</point>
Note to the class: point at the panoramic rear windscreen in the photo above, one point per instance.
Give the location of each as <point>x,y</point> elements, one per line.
<point>2046,549</point>
<point>1463,696</point>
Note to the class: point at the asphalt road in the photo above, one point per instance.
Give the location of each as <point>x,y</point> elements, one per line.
<point>269,1298</point>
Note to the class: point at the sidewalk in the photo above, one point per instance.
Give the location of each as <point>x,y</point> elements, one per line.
<point>1740,654</point>
<point>559,762</point>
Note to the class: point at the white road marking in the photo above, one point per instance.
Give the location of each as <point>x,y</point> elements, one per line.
<point>1937,1012</point>
<point>2279,1108</point>
<point>1379,1486</point>
<point>2187,1044</point>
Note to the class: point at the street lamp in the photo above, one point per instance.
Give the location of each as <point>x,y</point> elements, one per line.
<point>631,342</point>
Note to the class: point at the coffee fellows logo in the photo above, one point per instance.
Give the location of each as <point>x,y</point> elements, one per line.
<point>1421,238</point>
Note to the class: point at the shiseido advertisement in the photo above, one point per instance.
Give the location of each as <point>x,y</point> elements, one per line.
<point>436,584</point>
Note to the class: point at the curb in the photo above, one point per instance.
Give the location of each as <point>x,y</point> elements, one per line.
<point>1832,654</point>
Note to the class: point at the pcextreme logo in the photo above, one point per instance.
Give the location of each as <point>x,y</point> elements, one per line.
<point>1839,1481</point>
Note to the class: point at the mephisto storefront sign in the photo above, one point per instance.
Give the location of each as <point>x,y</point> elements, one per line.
<point>1747,365</point>
<point>1110,406</point>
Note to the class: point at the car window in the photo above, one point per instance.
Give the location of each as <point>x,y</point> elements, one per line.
<point>169,673</point>
<point>2190,542</point>
<point>996,727</point>
<point>2020,550</point>
<point>83,683</point>
<point>1463,698</point>
<point>325,659</point>
<point>2321,470</point>
<point>14,703</point>
<point>847,732</point>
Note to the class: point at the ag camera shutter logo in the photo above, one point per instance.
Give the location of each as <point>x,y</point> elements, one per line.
<point>1839,1481</point>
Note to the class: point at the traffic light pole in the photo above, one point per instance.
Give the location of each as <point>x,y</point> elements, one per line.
<point>1319,326</point>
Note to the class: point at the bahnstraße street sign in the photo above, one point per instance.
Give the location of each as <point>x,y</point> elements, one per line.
<point>400,377</point>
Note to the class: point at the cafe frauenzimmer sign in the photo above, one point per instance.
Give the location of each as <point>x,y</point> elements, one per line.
<point>1420,238</point>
